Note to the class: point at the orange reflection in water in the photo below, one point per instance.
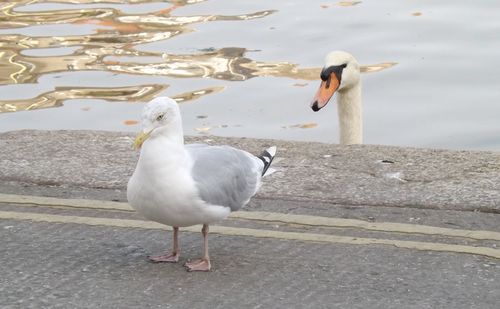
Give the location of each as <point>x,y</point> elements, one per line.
<point>60,94</point>
<point>115,38</point>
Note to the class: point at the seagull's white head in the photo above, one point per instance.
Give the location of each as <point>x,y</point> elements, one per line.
<point>160,116</point>
<point>341,71</point>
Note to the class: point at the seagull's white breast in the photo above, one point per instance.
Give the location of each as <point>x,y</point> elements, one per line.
<point>163,190</point>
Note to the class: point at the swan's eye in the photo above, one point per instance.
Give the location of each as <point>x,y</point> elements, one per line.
<point>335,69</point>
<point>160,117</point>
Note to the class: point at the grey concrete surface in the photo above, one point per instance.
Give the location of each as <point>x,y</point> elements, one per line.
<point>68,265</point>
<point>72,266</point>
<point>73,161</point>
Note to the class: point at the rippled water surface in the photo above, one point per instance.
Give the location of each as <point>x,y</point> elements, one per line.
<point>250,68</point>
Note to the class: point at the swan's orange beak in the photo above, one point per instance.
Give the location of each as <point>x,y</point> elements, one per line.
<point>325,92</point>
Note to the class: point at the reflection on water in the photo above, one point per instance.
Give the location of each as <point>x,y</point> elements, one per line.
<point>121,33</point>
<point>195,94</point>
<point>60,94</point>
<point>225,63</point>
<point>341,3</point>
<point>111,47</point>
<point>135,93</point>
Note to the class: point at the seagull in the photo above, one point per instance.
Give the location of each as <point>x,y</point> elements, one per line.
<point>182,185</point>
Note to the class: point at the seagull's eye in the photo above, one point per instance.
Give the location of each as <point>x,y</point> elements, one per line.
<point>160,117</point>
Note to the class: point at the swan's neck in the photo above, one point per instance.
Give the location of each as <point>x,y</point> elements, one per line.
<point>350,112</point>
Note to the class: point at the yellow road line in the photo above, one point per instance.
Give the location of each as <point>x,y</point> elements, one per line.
<point>233,231</point>
<point>53,201</point>
<point>372,226</point>
<point>269,217</point>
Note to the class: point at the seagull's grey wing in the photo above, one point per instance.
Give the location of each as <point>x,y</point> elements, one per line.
<point>224,175</point>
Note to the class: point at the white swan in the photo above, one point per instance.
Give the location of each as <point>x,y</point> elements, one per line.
<point>341,74</point>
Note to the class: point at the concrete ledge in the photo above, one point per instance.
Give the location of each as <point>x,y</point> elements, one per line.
<point>346,175</point>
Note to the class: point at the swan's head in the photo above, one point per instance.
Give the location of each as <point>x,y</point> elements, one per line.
<point>341,72</point>
<point>160,116</point>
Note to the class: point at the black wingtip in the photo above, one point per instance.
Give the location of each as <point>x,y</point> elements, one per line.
<point>267,157</point>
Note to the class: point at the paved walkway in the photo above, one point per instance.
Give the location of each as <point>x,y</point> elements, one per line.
<point>306,241</point>
<point>89,254</point>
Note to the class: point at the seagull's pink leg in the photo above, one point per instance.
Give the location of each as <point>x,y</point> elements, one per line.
<point>202,264</point>
<point>171,257</point>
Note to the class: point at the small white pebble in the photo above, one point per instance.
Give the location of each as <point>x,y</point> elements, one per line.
<point>397,175</point>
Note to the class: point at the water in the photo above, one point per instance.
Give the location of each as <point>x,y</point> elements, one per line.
<point>250,68</point>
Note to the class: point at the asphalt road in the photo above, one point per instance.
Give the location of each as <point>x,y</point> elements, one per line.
<point>296,245</point>
<point>60,256</point>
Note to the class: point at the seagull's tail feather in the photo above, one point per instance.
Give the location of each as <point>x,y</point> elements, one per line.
<point>267,157</point>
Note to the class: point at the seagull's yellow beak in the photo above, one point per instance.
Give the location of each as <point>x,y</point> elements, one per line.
<point>141,138</point>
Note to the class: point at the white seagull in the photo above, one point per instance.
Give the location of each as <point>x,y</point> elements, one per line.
<point>183,185</point>
<point>341,74</point>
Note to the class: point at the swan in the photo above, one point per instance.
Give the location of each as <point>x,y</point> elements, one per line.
<point>341,74</point>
